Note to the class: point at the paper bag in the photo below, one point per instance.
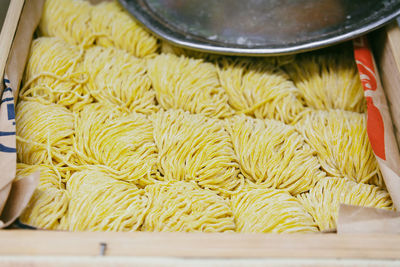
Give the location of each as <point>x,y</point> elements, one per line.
<point>12,202</point>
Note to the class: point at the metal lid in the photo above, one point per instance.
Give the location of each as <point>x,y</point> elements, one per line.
<point>260,27</point>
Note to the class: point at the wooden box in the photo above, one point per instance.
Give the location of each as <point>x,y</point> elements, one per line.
<point>386,44</point>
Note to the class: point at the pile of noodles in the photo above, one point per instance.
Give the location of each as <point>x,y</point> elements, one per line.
<point>121,144</point>
<point>183,206</point>
<point>328,81</point>
<point>188,84</point>
<point>341,141</point>
<point>260,89</point>
<point>45,134</point>
<point>106,24</point>
<point>323,201</point>
<point>259,210</point>
<point>117,78</point>
<point>273,154</point>
<point>195,148</point>
<point>130,133</point>
<point>49,203</point>
<point>101,203</point>
<point>54,74</point>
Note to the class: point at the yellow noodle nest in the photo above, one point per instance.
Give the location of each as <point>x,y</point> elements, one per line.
<point>273,154</point>
<point>49,202</point>
<point>188,84</point>
<point>328,81</point>
<point>259,89</point>
<point>118,78</point>
<point>101,203</point>
<point>44,133</point>
<point>194,147</point>
<point>67,19</point>
<point>184,207</point>
<point>270,211</point>
<point>115,27</point>
<point>323,201</point>
<point>341,141</point>
<point>64,74</point>
<point>54,74</point>
<point>106,24</point>
<point>120,144</point>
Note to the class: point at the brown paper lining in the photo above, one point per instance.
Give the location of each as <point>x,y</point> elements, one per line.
<point>390,167</point>
<point>356,220</point>
<point>14,196</point>
<point>20,194</point>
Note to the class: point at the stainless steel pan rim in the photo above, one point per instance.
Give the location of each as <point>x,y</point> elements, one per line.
<point>143,13</point>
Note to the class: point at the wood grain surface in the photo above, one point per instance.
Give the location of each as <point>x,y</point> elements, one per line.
<point>8,31</point>
<point>57,243</point>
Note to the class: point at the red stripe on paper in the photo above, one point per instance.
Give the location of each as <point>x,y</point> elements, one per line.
<point>366,69</point>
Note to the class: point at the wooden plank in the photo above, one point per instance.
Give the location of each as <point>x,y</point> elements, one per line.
<point>68,261</point>
<point>53,243</point>
<point>3,11</point>
<point>386,46</point>
<point>325,246</point>
<point>8,31</point>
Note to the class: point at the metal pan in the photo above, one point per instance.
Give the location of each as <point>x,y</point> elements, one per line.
<point>260,27</point>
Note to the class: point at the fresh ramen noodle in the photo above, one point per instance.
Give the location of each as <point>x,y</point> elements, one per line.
<point>188,84</point>
<point>106,24</point>
<point>341,141</point>
<point>183,206</point>
<point>49,202</point>
<point>101,203</point>
<point>323,201</point>
<point>270,211</point>
<point>259,89</point>
<point>328,81</point>
<point>273,154</point>
<point>44,134</point>
<point>121,144</point>
<point>67,19</point>
<point>120,79</point>
<point>54,74</point>
<point>195,148</point>
<point>115,27</point>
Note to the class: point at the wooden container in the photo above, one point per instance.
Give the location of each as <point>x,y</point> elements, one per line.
<point>386,44</point>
